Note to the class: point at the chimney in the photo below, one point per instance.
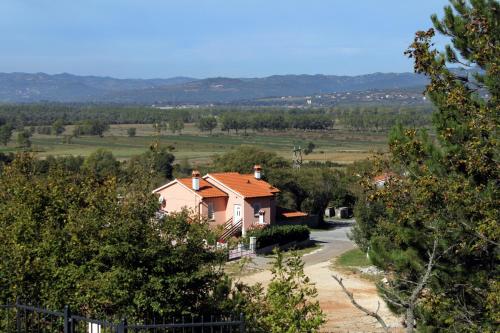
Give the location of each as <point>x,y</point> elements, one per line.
<point>257,171</point>
<point>196,180</point>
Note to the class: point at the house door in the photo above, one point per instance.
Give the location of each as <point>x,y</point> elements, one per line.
<point>237,213</point>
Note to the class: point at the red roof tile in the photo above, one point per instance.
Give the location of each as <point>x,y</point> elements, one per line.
<point>384,176</point>
<point>206,190</point>
<point>294,214</point>
<point>246,185</point>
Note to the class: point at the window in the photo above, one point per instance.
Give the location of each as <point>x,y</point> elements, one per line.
<point>256,209</point>
<point>211,212</point>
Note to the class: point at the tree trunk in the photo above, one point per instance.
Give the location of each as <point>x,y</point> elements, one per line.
<point>410,320</point>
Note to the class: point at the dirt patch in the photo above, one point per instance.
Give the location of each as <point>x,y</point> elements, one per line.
<point>342,316</point>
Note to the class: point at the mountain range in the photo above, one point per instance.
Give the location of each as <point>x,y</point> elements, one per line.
<point>36,87</point>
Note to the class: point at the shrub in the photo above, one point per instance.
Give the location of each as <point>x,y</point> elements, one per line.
<point>280,235</point>
<point>131,131</point>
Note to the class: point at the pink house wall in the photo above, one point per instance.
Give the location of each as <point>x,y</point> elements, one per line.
<point>219,210</point>
<point>233,199</point>
<point>178,197</point>
<point>266,204</point>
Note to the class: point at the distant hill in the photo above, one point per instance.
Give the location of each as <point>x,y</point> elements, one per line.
<point>24,87</point>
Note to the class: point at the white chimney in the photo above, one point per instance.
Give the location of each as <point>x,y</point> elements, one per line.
<point>257,171</point>
<point>196,180</point>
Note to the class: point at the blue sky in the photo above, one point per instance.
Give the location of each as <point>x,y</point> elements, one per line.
<point>206,38</point>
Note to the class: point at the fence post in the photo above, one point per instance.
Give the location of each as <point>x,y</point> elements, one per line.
<point>18,317</point>
<point>67,319</point>
<point>122,327</point>
<point>242,323</point>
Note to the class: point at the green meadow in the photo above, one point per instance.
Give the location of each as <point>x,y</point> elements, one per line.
<point>341,146</point>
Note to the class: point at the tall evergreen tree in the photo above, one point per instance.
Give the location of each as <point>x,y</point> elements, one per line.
<point>438,234</point>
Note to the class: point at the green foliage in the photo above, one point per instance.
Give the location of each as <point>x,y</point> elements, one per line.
<point>67,238</point>
<point>288,304</point>
<point>207,124</point>
<point>311,189</point>
<point>288,297</point>
<point>58,127</point>
<point>176,124</point>
<point>91,127</point>
<point>23,139</point>
<point>101,164</point>
<point>131,131</point>
<point>310,148</point>
<point>45,130</point>
<point>353,258</point>
<point>280,235</point>
<point>157,160</point>
<point>445,192</point>
<point>244,158</point>
<point>5,133</point>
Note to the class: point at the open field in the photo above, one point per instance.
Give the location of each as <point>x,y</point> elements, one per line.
<point>338,145</point>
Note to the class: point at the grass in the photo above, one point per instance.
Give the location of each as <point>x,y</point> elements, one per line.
<point>353,258</point>
<point>351,261</point>
<point>337,145</point>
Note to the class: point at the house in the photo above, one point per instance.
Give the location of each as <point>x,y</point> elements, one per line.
<point>237,201</point>
<point>381,179</point>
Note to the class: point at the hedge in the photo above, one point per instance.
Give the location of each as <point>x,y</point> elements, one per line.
<point>279,235</point>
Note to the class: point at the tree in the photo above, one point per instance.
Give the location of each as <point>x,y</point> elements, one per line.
<point>244,158</point>
<point>176,124</point>
<point>157,160</point>
<point>289,298</point>
<point>288,304</point>
<point>58,127</point>
<point>23,139</point>
<point>5,133</point>
<point>207,124</point>
<point>91,127</point>
<point>437,235</point>
<point>68,238</point>
<point>131,132</point>
<point>310,148</point>
<point>101,164</point>
<point>159,126</point>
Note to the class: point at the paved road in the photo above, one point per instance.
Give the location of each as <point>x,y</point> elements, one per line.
<point>332,242</point>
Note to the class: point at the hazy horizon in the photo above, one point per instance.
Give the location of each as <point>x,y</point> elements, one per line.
<point>199,78</point>
<point>162,39</point>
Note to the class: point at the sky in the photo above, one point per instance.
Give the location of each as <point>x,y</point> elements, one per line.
<point>209,38</point>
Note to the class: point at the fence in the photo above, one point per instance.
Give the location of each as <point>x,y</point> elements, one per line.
<point>20,318</point>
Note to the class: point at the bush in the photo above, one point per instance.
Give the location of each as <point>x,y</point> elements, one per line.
<point>280,235</point>
<point>131,131</point>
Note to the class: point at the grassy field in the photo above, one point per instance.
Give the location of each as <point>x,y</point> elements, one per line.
<point>337,145</point>
<point>353,258</point>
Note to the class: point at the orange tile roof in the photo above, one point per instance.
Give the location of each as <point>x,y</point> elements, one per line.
<point>294,214</point>
<point>383,176</point>
<point>206,190</point>
<point>246,185</point>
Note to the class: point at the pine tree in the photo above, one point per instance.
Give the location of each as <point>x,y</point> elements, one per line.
<point>438,233</point>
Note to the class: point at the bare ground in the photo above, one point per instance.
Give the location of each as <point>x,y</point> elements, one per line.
<point>342,316</point>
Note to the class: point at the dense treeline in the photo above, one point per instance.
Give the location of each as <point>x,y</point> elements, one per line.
<point>229,119</point>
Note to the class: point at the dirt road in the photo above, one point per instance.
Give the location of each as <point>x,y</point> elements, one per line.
<point>342,316</point>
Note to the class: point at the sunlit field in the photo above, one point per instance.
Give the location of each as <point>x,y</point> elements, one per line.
<point>338,145</point>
